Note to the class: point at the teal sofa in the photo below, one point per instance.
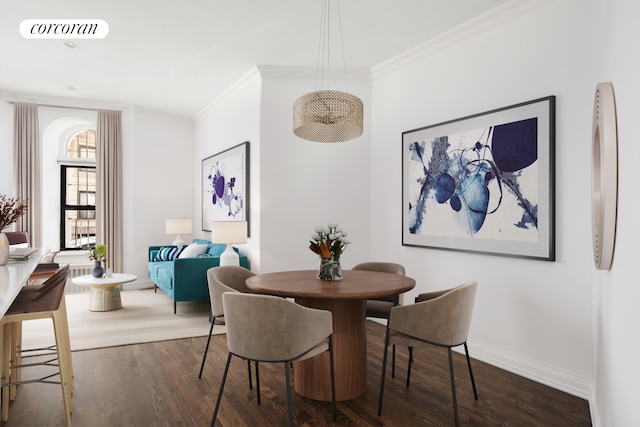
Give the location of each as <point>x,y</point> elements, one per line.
<point>185,279</point>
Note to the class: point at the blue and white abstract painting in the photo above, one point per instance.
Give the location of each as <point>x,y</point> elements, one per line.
<point>224,186</point>
<point>480,184</point>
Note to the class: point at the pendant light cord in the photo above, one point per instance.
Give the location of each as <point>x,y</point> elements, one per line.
<point>344,61</point>
<point>324,47</point>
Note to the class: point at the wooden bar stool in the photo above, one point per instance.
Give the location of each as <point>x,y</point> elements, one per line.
<point>37,302</point>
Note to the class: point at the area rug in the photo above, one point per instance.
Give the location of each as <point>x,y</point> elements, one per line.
<point>145,317</point>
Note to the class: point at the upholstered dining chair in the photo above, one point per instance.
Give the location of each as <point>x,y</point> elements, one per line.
<point>439,318</point>
<point>266,328</point>
<point>379,308</point>
<point>224,279</point>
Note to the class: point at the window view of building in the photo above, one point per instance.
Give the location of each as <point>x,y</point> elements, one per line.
<point>78,192</point>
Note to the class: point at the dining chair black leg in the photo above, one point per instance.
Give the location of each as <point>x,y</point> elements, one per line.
<point>206,349</point>
<point>289,403</point>
<point>473,382</point>
<point>249,372</point>
<point>333,378</point>
<point>453,386</point>
<point>409,365</point>
<point>393,361</point>
<point>258,381</point>
<point>384,368</point>
<point>224,378</point>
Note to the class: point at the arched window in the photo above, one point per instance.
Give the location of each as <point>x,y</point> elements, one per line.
<point>82,145</point>
<point>78,192</point>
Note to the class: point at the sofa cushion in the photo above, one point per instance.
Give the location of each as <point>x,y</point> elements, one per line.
<point>168,253</point>
<point>193,250</point>
<point>216,249</point>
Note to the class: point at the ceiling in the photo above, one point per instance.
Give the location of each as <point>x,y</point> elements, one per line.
<point>178,56</point>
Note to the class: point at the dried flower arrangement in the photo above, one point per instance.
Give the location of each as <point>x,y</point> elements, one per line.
<point>11,208</point>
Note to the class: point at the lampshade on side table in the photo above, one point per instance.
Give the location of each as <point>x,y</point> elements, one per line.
<point>229,233</point>
<point>178,226</point>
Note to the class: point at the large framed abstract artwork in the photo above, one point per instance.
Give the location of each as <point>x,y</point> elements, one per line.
<point>225,186</point>
<point>483,183</point>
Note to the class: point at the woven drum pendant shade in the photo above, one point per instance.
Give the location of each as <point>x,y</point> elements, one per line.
<point>327,116</point>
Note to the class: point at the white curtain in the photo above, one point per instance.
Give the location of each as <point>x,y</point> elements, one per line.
<point>109,186</point>
<point>26,166</point>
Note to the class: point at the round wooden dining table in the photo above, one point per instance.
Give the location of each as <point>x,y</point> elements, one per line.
<point>346,299</point>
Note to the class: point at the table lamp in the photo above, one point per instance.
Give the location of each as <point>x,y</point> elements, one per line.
<point>229,233</point>
<point>178,226</point>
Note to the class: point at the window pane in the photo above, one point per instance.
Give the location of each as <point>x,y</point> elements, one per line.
<point>80,232</point>
<point>81,186</point>
<point>83,145</point>
<point>78,213</point>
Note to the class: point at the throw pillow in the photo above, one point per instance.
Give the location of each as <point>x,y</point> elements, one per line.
<point>193,250</point>
<point>167,254</point>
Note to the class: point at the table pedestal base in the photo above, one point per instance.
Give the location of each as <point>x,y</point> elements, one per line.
<point>105,297</point>
<point>312,376</point>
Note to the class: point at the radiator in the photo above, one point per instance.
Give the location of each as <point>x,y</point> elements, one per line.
<point>76,270</point>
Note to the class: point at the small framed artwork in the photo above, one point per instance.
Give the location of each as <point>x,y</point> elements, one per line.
<point>483,183</point>
<point>225,186</point>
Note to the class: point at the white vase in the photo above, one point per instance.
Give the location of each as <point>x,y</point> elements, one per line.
<point>4,249</point>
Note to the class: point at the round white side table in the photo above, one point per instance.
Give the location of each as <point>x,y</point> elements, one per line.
<point>105,291</point>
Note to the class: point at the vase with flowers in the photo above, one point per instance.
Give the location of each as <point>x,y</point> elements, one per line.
<point>11,209</point>
<point>98,254</point>
<point>329,242</point>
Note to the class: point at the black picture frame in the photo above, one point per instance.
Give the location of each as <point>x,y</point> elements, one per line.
<point>225,186</point>
<point>483,183</point>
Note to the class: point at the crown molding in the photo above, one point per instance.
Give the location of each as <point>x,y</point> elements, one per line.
<point>496,16</point>
<point>240,84</point>
<point>306,73</point>
<point>62,102</point>
<point>84,104</point>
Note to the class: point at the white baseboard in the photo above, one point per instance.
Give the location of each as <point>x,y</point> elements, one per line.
<point>138,284</point>
<point>542,373</point>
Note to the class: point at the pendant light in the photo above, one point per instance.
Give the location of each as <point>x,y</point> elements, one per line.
<point>327,115</point>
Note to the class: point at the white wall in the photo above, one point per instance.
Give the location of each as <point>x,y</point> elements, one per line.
<point>531,317</point>
<point>305,184</point>
<point>616,314</point>
<point>296,185</point>
<point>157,160</point>
<point>228,121</point>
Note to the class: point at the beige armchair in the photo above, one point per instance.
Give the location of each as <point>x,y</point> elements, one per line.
<point>224,279</point>
<point>438,318</point>
<point>265,328</point>
<point>379,308</point>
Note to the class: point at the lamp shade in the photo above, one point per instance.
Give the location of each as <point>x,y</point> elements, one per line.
<point>229,232</point>
<point>327,116</point>
<point>178,226</point>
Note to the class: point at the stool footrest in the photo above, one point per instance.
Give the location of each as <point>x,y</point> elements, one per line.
<point>51,348</point>
<point>35,380</point>
<point>45,363</point>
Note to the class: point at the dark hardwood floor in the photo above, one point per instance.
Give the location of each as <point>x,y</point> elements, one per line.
<point>157,384</point>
